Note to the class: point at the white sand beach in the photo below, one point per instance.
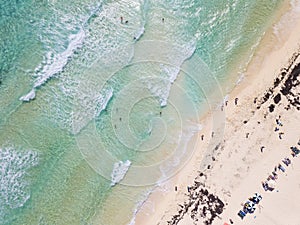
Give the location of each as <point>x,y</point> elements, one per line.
<point>250,148</point>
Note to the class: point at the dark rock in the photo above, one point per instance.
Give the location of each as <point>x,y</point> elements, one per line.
<point>277,98</point>
<point>271,108</point>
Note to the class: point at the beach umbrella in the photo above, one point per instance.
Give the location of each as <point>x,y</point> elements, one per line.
<point>249,206</point>
<point>271,184</point>
<point>256,198</point>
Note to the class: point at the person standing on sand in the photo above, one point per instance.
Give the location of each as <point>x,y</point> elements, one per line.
<point>236,101</point>
<point>280,135</point>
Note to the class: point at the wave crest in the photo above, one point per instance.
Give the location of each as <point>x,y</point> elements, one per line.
<point>119,171</point>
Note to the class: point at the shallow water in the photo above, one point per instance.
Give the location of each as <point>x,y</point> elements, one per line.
<point>116,90</point>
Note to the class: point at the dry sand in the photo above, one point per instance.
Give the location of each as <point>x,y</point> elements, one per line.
<point>236,165</point>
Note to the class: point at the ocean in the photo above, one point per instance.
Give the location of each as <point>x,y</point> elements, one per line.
<point>101,101</point>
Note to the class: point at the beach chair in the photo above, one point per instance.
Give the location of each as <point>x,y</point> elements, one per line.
<point>286,161</point>
<point>265,186</point>
<point>281,168</point>
<point>252,210</point>
<point>295,150</point>
<point>241,214</point>
<point>274,175</point>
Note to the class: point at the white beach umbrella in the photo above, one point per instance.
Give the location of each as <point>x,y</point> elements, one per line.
<point>256,198</point>
<point>271,184</point>
<point>250,206</point>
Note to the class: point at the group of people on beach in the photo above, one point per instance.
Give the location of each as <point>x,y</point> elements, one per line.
<point>226,102</point>
<point>274,176</point>
<point>279,123</point>
<point>268,185</point>
<point>249,206</point>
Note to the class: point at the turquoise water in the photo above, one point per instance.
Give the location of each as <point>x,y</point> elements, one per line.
<point>101,100</point>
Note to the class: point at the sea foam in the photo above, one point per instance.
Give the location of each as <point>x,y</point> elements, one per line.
<point>30,96</point>
<point>54,64</point>
<point>160,88</point>
<point>119,171</point>
<point>91,106</point>
<point>139,33</point>
<point>103,100</point>
<point>14,166</point>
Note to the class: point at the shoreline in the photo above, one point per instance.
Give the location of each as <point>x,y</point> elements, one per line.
<point>271,56</point>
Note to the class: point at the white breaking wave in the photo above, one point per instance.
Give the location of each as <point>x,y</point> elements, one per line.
<point>172,72</point>
<point>91,106</point>
<point>119,171</point>
<point>103,100</point>
<point>160,87</point>
<point>28,97</point>
<point>54,64</point>
<point>139,33</point>
<point>14,190</point>
<point>81,98</point>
